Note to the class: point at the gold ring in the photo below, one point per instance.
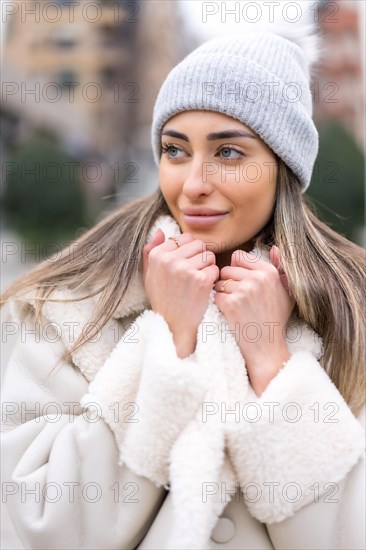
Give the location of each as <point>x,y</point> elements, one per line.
<point>223,285</point>
<point>175,240</point>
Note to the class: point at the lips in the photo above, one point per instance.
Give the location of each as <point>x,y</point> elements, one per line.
<point>202,212</point>
<point>203,217</point>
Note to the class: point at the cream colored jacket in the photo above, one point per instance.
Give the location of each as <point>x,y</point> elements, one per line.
<point>130,446</point>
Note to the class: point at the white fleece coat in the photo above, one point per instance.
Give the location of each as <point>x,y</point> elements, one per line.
<point>195,425</point>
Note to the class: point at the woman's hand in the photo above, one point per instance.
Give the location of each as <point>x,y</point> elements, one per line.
<point>257,305</point>
<point>178,281</point>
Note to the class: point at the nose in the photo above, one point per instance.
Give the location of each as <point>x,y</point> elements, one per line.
<point>198,181</point>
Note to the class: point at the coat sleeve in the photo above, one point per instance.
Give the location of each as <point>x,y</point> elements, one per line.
<point>334,520</point>
<point>61,480</point>
<point>170,392</point>
<point>298,442</point>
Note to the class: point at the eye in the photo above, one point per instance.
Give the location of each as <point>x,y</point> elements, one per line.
<point>230,153</point>
<point>227,152</point>
<point>171,150</point>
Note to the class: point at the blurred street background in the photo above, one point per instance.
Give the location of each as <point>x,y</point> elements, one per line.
<point>79,81</point>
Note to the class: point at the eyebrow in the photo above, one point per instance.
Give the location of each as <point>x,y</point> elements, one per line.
<point>211,137</point>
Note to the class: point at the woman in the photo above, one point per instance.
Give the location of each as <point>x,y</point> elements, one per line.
<point>201,383</point>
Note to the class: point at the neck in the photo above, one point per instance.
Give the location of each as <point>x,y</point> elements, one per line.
<point>224,258</point>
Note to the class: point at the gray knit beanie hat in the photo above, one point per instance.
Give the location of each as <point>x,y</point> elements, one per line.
<point>261,79</point>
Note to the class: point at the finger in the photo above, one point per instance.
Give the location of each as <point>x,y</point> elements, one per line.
<point>189,247</point>
<point>158,239</point>
<point>213,272</point>
<point>170,245</point>
<point>275,258</point>
<point>229,285</point>
<point>230,272</point>
<point>248,260</point>
<point>201,260</point>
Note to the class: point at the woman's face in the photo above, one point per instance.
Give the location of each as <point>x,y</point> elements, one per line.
<point>212,161</point>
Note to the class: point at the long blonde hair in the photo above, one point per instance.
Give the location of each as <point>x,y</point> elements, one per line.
<point>325,271</point>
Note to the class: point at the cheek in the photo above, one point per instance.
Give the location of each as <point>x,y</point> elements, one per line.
<point>255,198</point>
<point>163,182</point>
<point>168,185</point>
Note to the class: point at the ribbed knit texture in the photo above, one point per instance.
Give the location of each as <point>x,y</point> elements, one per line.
<point>260,79</point>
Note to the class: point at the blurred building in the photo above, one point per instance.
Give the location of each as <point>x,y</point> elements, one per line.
<point>62,65</point>
<point>339,91</point>
<point>88,71</point>
<point>163,40</point>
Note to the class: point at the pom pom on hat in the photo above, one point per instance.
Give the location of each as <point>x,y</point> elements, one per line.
<point>306,36</point>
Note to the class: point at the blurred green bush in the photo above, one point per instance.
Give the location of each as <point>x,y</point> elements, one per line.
<point>43,199</point>
<point>337,185</point>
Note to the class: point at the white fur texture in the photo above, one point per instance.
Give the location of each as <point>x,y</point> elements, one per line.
<point>306,35</point>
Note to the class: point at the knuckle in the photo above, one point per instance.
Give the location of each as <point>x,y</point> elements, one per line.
<point>244,290</point>
<point>202,279</point>
<point>153,254</point>
<point>230,304</point>
<point>179,268</point>
<point>209,258</point>
<point>164,261</point>
<point>261,277</point>
<point>247,289</point>
<point>272,276</point>
<point>225,272</point>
